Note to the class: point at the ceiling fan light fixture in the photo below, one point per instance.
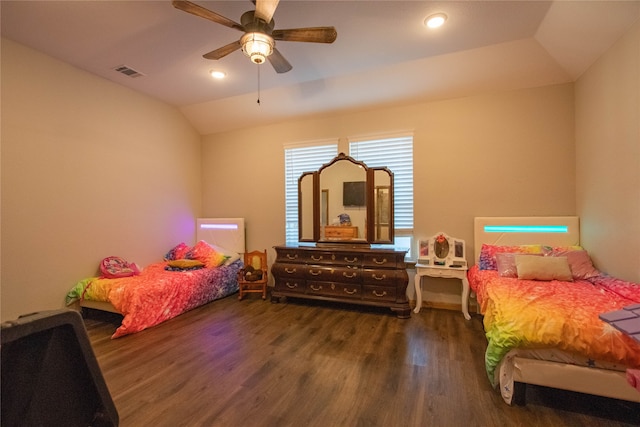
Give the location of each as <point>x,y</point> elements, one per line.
<point>257,46</point>
<point>436,20</point>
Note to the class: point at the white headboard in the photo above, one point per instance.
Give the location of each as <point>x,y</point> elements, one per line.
<point>526,230</point>
<point>227,233</point>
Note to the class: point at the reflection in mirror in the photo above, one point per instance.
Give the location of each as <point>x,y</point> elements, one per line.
<point>382,204</point>
<point>345,179</point>
<point>441,247</point>
<point>305,207</point>
<point>324,207</point>
<point>382,213</point>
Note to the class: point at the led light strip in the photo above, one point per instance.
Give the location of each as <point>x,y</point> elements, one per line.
<point>526,229</point>
<point>219,226</point>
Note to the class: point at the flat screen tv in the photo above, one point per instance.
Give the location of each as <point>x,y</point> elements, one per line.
<point>353,193</point>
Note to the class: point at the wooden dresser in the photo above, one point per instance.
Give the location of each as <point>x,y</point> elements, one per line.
<point>340,232</point>
<point>344,273</point>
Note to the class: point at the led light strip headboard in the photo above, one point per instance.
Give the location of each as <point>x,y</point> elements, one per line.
<point>227,233</point>
<point>546,230</point>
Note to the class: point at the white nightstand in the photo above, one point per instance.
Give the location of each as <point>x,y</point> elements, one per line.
<point>445,272</point>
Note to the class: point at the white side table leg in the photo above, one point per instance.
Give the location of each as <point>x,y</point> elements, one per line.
<point>417,281</point>
<point>465,297</point>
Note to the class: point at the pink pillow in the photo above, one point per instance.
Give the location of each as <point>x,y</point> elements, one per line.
<point>580,263</point>
<point>204,253</point>
<point>506,264</point>
<point>177,252</point>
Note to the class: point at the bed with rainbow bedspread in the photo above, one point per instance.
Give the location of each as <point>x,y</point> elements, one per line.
<point>541,298</point>
<point>533,314</point>
<point>163,290</point>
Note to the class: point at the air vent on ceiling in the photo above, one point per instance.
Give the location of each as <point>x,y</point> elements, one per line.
<point>128,71</point>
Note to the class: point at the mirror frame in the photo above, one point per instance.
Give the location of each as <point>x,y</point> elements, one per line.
<point>370,188</point>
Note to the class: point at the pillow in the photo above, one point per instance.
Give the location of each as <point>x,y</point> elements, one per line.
<point>177,252</point>
<point>114,267</point>
<point>185,263</point>
<point>487,259</point>
<point>560,250</point>
<point>580,263</point>
<point>203,252</point>
<point>506,264</point>
<point>231,256</point>
<point>543,268</point>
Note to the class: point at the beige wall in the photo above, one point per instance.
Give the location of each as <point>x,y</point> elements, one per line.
<point>608,158</point>
<point>503,154</point>
<point>89,169</point>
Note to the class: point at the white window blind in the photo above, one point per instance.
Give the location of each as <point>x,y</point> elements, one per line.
<point>396,153</point>
<point>298,160</point>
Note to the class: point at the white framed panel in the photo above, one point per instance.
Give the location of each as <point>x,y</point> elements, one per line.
<point>526,230</point>
<point>227,233</point>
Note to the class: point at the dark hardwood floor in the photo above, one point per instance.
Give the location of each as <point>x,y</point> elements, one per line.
<point>254,363</point>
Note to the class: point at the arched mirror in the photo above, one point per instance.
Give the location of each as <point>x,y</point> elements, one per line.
<point>346,202</point>
<point>345,183</point>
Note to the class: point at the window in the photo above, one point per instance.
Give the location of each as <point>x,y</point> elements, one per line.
<point>297,160</point>
<point>396,153</point>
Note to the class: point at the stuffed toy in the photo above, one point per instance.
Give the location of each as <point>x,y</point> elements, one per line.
<point>250,274</point>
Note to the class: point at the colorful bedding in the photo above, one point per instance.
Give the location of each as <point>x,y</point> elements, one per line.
<point>534,314</point>
<point>158,294</point>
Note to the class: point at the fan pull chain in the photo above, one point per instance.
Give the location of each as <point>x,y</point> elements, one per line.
<point>258,84</point>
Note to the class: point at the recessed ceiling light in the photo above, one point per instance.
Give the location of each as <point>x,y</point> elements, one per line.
<point>218,74</point>
<point>435,21</point>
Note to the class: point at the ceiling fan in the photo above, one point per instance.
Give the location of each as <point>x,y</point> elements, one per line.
<point>258,41</point>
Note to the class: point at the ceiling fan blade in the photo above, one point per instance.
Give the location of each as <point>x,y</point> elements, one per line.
<point>265,9</point>
<point>223,51</point>
<point>279,63</point>
<point>312,34</point>
<point>200,11</point>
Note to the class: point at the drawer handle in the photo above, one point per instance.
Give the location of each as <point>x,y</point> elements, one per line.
<point>347,291</point>
<point>294,256</point>
<point>349,276</point>
<point>316,258</point>
<point>316,288</point>
<point>290,271</point>
<point>352,260</point>
<point>384,260</point>
<point>379,295</point>
<point>384,276</point>
<point>291,286</point>
<point>315,273</point>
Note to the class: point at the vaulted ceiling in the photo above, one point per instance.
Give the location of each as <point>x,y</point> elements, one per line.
<point>383,55</point>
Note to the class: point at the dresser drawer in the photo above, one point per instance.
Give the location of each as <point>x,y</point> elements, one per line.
<point>345,290</point>
<point>288,270</point>
<point>379,293</point>
<point>383,260</point>
<point>349,259</point>
<point>289,255</point>
<point>379,277</point>
<point>318,273</point>
<point>319,257</point>
<point>347,275</point>
<point>290,284</point>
